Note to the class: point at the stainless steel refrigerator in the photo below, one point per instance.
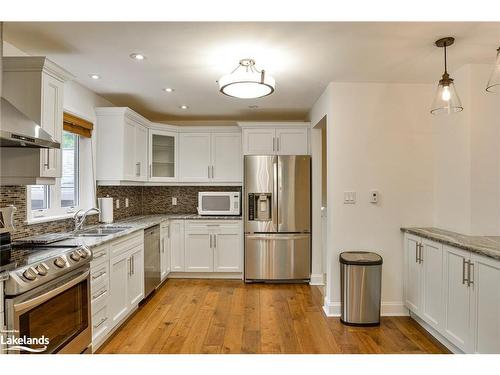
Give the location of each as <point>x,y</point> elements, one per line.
<point>277,193</point>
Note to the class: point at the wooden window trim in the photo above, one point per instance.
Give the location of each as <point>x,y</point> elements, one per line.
<point>77,125</point>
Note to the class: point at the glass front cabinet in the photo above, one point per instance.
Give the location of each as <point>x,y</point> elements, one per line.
<point>162,155</point>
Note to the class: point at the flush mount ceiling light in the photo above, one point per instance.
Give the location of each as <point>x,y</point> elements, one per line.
<point>137,56</point>
<point>183,106</point>
<point>446,100</point>
<point>246,82</point>
<point>95,76</point>
<point>494,81</point>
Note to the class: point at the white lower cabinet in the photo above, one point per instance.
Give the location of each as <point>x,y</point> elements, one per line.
<point>117,284</point>
<point>164,250</point>
<point>485,298</point>
<point>213,246</point>
<point>455,292</point>
<point>177,245</point>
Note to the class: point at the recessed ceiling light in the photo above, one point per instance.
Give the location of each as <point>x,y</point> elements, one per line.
<point>138,56</point>
<point>168,89</point>
<point>95,76</point>
<point>253,106</point>
<point>183,106</point>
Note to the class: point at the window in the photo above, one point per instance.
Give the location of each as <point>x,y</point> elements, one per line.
<point>66,195</point>
<point>69,180</point>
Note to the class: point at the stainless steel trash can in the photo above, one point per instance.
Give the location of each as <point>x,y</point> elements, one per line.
<point>360,283</point>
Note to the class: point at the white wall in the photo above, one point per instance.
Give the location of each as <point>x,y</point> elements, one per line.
<point>378,137</point>
<point>467,173</point>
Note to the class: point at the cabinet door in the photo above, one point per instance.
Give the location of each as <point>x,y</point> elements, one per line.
<point>259,141</point>
<point>118,288</point>
<point>413,274</point>
<point>292,141</point>
<point>52,122</point>
<point>227,252</point>
<point>129,160</point>
<point>136,277</point>
<point>432,283</point>
<point>177,246</point>
<point>456,297</point>
<point>226,157</point>
<point>194,157</point>
<point>198,252</point>
<point>162,155</point>
<point>165,252</point>
<point>141,152</point>
<point>485,303</point>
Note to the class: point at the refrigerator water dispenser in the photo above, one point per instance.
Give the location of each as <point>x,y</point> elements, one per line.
<point>260,206</point>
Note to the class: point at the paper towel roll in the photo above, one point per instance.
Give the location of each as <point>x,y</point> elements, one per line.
<point>106,207</point>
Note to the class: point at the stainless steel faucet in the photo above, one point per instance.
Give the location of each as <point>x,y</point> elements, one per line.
<point>79,220</point>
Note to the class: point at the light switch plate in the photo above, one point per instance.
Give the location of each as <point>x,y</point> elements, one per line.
<point>126,202</point>
<point>174,201</point>
<point>117,203</point>
<point>349,197</point>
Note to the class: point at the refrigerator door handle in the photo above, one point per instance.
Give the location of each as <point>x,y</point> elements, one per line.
<point>275,213</point>
<point>274,237</point>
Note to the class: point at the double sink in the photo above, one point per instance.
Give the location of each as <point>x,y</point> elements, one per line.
<point>100,231</point>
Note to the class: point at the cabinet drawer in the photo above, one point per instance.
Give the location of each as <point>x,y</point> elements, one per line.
<point>100,254</point>
<point>99,296</point>
<point>100,327</point>
<point>99,274</point>
<point>122,245</point>
<point>212,225</point>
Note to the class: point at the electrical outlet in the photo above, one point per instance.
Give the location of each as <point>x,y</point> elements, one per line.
<point>117,203</point>
<point>126,202</point>
<point>174,201</point>
<point>374,196</point>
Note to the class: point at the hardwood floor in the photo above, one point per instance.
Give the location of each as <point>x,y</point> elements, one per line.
<point>228,316</point>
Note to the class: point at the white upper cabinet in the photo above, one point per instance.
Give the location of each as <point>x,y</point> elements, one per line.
<point>210,157</point>
<point>162,155</point>
<point>195,158</point>
<point>35,85</point>
<point>226,157</point>
<point>275,138</point>
<point>122,145</point>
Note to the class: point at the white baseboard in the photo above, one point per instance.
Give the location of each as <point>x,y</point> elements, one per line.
<point>332,309</point>
<point>206,275</point>
<point>317,279</point>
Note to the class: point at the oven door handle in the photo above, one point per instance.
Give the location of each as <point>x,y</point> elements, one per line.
<point>46,296</point>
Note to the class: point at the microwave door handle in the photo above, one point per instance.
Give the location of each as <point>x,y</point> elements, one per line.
<point>19,307</point>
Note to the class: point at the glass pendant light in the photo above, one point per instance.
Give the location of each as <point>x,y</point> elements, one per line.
<point>246,82</point>
<point>446,100</point>
<point>494,81</point>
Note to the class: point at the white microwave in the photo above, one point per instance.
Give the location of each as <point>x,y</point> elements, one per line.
<point>219,203</point>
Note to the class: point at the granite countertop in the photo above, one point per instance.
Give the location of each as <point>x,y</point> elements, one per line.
<point>483,245</point>
<point>135,223</point>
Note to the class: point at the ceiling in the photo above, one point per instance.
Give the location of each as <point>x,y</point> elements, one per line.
<point>303,57</point>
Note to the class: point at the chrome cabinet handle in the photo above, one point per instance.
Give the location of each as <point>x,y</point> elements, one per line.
<point>278,144</point>
<point>100,323</point>
<point>210,240</point>
<point>470,266</point>
<point>129,266</point>
<point>98,295</point>
<point>215,241</point>
<point>464,279</point>
<point>168,232</point>
<point>420,256</point>
<point>212,171</point>
<point>47,164</point>
<point>133,264</point>
<point>95,277</point>
<point>417,246</point>
<point>150,170</point>
<point>137,169</point>
<point>274,141</point>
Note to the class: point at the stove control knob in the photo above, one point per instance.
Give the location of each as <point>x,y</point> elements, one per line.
<point>42,269</point>
<point>60,262</point>
<point>75,256</point>
<point>30,274</point>
<point>82,253</point>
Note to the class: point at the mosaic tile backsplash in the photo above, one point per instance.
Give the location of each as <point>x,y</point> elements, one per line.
<point>143,200</point>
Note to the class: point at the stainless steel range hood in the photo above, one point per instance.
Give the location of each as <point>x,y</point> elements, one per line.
<point>18,130</point>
